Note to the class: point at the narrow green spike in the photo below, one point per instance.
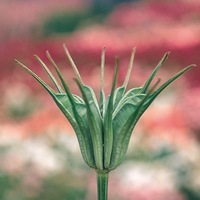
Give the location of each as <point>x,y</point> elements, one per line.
<point>162,87</point>
<point>49,74</point>
<point>57,71</point>
<point>108,123</point>
<point>72,63</point>
<point>129,69</point>
<point>102,94</point>
<point>102,68</point>
<point>50,91</point>
<point>148,82</point>
<point>35,76</point>
<point>121,90</point>
<point>66,88</point>
<point>115,77</point>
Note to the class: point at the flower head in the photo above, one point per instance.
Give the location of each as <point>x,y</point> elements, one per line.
<point>103,127</point>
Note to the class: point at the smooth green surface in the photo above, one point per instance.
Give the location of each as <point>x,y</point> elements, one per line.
<point>102,185</point>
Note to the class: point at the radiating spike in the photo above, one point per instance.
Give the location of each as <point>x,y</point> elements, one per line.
<point>66,88</point>
<point>49,74</point>
<point>115,76</point>
<point>149,80</point>
<point>129,69</point>
<point>48,88</point>
<point>72,63</point>
<point>162,87</point>
<point>102,68</point>
<point>102,93</point>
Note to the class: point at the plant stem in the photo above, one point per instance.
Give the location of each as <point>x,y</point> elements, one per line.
<point>102,185</point>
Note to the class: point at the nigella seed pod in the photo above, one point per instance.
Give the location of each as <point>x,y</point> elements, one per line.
<point>103,127</point>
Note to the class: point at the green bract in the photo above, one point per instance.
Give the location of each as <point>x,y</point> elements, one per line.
<point>103,127</point>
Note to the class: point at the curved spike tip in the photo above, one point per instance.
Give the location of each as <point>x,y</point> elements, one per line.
<point>72,63</point>
<point>128,74</point>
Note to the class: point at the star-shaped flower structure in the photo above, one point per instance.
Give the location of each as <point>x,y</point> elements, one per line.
<point>103,127</point>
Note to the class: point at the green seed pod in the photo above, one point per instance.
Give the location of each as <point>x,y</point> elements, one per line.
<point>103,127</point>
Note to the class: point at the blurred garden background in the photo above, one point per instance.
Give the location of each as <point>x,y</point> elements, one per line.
<point>39,153</point>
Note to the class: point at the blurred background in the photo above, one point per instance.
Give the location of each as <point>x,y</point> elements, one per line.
<point>39,153</point>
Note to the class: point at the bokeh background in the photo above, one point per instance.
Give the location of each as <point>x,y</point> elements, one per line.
<point>39,153</point>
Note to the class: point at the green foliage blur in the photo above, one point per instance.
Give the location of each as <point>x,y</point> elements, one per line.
<point>67,22</point>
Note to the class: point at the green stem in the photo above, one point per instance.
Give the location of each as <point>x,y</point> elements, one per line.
<point>102,185</point>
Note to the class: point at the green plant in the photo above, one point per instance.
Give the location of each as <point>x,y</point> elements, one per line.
<point>103,127</point>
